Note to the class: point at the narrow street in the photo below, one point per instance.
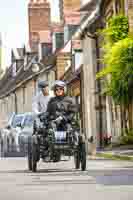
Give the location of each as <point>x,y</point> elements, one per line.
<point>103,179</point>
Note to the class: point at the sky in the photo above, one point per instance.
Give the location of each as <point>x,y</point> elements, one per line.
<point>14,25</point>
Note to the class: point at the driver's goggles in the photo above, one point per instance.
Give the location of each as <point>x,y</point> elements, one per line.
<point>59,89</point>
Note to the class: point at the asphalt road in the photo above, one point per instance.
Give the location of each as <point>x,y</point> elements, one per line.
<point>103,179</point>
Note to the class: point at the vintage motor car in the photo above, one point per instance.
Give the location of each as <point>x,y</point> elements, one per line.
<point>50,144</point>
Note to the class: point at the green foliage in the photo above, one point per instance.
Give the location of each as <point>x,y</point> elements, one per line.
<point>119,64</point>
<point>115,157</point>
<point>117,29</point>
<point>118,61</point>
<point>127,138</point>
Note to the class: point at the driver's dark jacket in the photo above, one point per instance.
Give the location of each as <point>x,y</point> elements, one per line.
<point>61,106</point>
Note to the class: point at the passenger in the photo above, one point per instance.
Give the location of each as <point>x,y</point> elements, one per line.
<point>40,101</point>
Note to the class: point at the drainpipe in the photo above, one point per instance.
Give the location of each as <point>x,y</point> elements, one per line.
<point>89,21</point>
<point>100,98</point>
<point>16,108</point>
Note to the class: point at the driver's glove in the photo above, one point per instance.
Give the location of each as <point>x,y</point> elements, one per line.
<point>59,119</point>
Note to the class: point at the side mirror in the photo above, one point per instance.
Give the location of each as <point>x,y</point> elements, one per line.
<point>19,125</point>
<point>8,127</point>
<point>22,126</point>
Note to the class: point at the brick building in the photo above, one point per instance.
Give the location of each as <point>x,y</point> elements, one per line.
<point>39,20</point>
<point>68,11</point>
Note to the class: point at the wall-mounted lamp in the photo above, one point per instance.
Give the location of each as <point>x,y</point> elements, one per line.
<point>35,67</point>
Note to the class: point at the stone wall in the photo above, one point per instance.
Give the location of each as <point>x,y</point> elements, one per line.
<point>130,15</point>
<point>61,64</point>
<point>88,89</point>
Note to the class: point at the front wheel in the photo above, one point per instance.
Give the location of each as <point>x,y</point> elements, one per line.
<point>35,157</point>
<point>83,156</point>
<point>34,165</point>
<point>29,156</point>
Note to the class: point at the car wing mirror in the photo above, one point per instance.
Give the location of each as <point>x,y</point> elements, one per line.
<point>8,127</point>
<point>19,125</point>
<point>22,126</point>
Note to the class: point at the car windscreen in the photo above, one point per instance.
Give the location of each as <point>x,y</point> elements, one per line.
<point>28,121</point>
<point>17,121</point>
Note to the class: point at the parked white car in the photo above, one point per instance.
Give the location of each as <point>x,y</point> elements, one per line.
<point>14,137</point>
<point>9,135</point>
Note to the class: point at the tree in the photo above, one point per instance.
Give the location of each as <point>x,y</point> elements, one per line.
<point>118,61</point>
<point>119,64</point>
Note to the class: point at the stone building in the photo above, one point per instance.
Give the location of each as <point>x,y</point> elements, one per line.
<point>1,55</point>
<point>68,11</point>
<point>19,84</point>
<point>129,12</point>
<point>101,118</point>
<point>0,52</point>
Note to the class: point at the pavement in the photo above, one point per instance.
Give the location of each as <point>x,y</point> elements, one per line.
<point>122,153</point>
<point>103,179</point>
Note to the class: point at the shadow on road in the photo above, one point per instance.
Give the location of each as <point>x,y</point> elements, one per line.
<point>104,176</point>
<point>41,171</point>
<point>122,180</point>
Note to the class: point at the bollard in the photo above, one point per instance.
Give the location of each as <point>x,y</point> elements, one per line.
<point>92,148</point>
<point>93,151</point>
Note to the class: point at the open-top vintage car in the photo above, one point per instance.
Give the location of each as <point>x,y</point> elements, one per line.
<point>50,143</point>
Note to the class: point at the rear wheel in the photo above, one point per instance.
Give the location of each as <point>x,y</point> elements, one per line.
<point>77,159</point>
<point>83,156</point>
<point>34,157</point>
<point>29,156</point>
<point>57,157</point>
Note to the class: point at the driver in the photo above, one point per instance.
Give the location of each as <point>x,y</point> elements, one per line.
<point>61,107</point>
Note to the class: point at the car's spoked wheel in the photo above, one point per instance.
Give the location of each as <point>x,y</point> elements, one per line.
<point>34,165</point>
<point>29,157</point>
<point>57,157</point>
<point>77,159</point>
<point>35,156</point>
<point>83,156</point>
<point>30,162</point>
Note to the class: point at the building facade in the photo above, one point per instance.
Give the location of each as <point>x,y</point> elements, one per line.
<point>39,20</point>
<point>19,88</point>
<point>69,11</point>
<point>101,117</point>
<point>1,55</point>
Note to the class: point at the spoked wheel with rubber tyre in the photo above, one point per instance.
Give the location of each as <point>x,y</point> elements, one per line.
<point>29,156</point>
<point>77,159</point>
<point>33,156</point>
<point>80,157</point>
<point>83,156</point>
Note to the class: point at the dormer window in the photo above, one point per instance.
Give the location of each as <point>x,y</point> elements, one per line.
<point>58,40</point>
<point>68,65</point>
<point>25,61</point>
<point>14,69</point>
